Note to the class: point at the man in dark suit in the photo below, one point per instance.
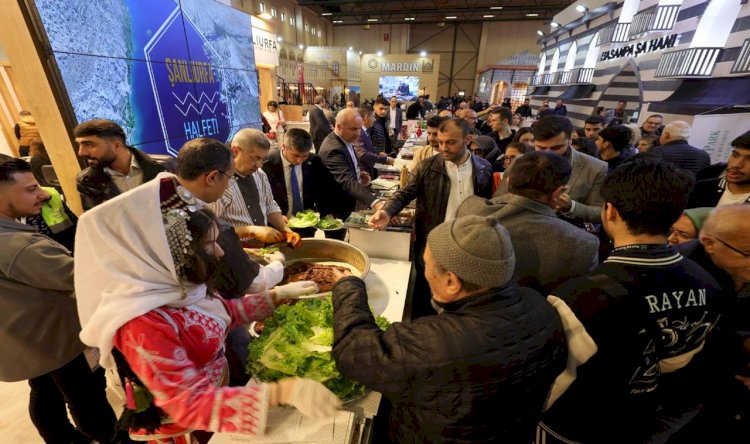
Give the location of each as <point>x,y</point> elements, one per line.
<point>319,125</point>
<point>395,119</point>
<point>337,154</point>
<point>675,149</point>
<point>299,180</point>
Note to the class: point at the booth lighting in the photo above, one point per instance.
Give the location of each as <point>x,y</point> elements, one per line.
<point>351,48</point>
<point>360,53</point>
<point>326,14</point>
<point>301,46</point>
<point>380,53</point>
<point>279,39</point>
<point>338,21</point>
<point>450,17</point>
<point>532,14</point>
<point>554,25</point>
<point>372,20</point>
<point>582,9</point>
<point>488,16</point>
<point>539,31</point>
<point>409,19</point>
<point>422,53</point>
<point>496,7</point>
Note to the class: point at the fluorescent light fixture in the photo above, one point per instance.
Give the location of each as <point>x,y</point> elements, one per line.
<point>532,14</point>
<point>380,53</point>
<point>372,20</point>
<point>539,31</point>
<point>338,21</point>
<point>450,17</point>
<point>554,25</point>
<point>422,53</point>
<point>488,16</point>
<point>496,7</point>
<point>409,19</point>
<point>582,9</point>
<point>326,14</point>
<point>301,46</point>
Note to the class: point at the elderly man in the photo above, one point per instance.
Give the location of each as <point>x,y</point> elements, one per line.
<point>337,154</point>
<point>113,166</point>
<point>648,309</point>
<point>478,372</point>
<point>652,125</point>
<point>731,188</point>
<point>674,148</point>
<point>319,124</point>
<point>39,323</point>
<point>248,203</point>
<point>439,184</point>
<point>723,249</point>
<point>581,202</point>
<point>549,250</point>
<point>470,116</point>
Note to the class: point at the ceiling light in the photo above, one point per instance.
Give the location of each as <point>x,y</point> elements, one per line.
<point>582,9</point>
<point>496,7</point>
<point>532,14</point>
<point>422,53</point>
<point>360,53</point>
<point>301,46</point>
<point>380,53</point>
<point>326,13</point>
<point>539,31</point>
<point>351,48</point>
<point>554,24</point>
<point>338,21</point>
<point>279,39</point>
<point>488,16</point>
<point>450,17</point>
<point>409,19</point>
<point>372,20</point>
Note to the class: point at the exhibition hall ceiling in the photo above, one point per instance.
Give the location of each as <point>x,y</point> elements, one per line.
<point>375,12</point>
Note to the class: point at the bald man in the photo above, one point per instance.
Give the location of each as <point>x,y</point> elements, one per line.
<point>337,154</point>
<point>723,249</point>
<point>675,149</point>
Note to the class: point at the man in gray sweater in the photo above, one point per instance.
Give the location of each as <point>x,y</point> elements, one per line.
<point>39,322</point>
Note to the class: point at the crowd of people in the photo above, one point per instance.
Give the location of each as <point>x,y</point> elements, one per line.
<point>570,285</point>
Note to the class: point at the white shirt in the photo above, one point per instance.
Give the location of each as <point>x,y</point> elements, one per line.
<point>462,185</point>
<point>231,206</point>
<point>393,117</point>
<point>729,198</point>
<point>288,182</point>
<point>126,182</point>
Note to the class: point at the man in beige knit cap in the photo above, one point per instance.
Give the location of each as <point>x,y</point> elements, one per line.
<point>479,371</point>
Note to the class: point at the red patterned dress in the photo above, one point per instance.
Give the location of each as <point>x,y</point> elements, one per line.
<point>178,354</point>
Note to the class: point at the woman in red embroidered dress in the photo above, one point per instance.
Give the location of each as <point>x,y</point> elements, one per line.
<point>151,303</point>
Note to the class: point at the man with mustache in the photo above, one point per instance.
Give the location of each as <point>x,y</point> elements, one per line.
<point>731,188</point>
<point>113,166</point>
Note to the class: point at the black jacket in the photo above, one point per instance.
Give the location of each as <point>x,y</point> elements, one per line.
<point>708,192</point>
<point>431,186</point>
<point>96,186</point>
<point>320,127</point>
<point>478,372</point>
<point>348,190</point>
<point>316,183</point>
<point>684,156</point>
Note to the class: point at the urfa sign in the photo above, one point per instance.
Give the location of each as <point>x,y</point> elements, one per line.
<point>400,67</point>
<point>637,49</point>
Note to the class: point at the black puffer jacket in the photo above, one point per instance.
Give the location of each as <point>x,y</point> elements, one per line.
<point>478,372</point>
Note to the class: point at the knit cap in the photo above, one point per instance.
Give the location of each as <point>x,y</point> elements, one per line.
<point>698,216</point>
<point>477,249</point>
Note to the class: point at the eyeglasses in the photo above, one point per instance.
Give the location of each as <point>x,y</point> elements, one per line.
<point>736,250</point>
<point>681,234</point>
<point>224,174</point>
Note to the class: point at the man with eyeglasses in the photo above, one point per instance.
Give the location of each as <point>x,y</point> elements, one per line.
<point>582,202</point>
<point>248,204</point>
<point>723,249</point>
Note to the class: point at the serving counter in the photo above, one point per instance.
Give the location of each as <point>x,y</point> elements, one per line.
<point>387,286</point>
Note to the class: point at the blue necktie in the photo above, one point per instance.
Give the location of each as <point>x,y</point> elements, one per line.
<point>296,198</point>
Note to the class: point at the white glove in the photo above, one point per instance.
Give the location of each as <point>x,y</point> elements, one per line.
<point>294,290</point>
<point>311,398</point>
<point>276,256</point>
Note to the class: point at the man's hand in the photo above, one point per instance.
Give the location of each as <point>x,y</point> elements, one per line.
<point>339,273</point>
<point>293,239</point>
<point>364,176</point>
<point>276,256</point>
<point>267,235</point>
<point>380,220</point>
<point>564,203</point>
<point>390,161</point>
